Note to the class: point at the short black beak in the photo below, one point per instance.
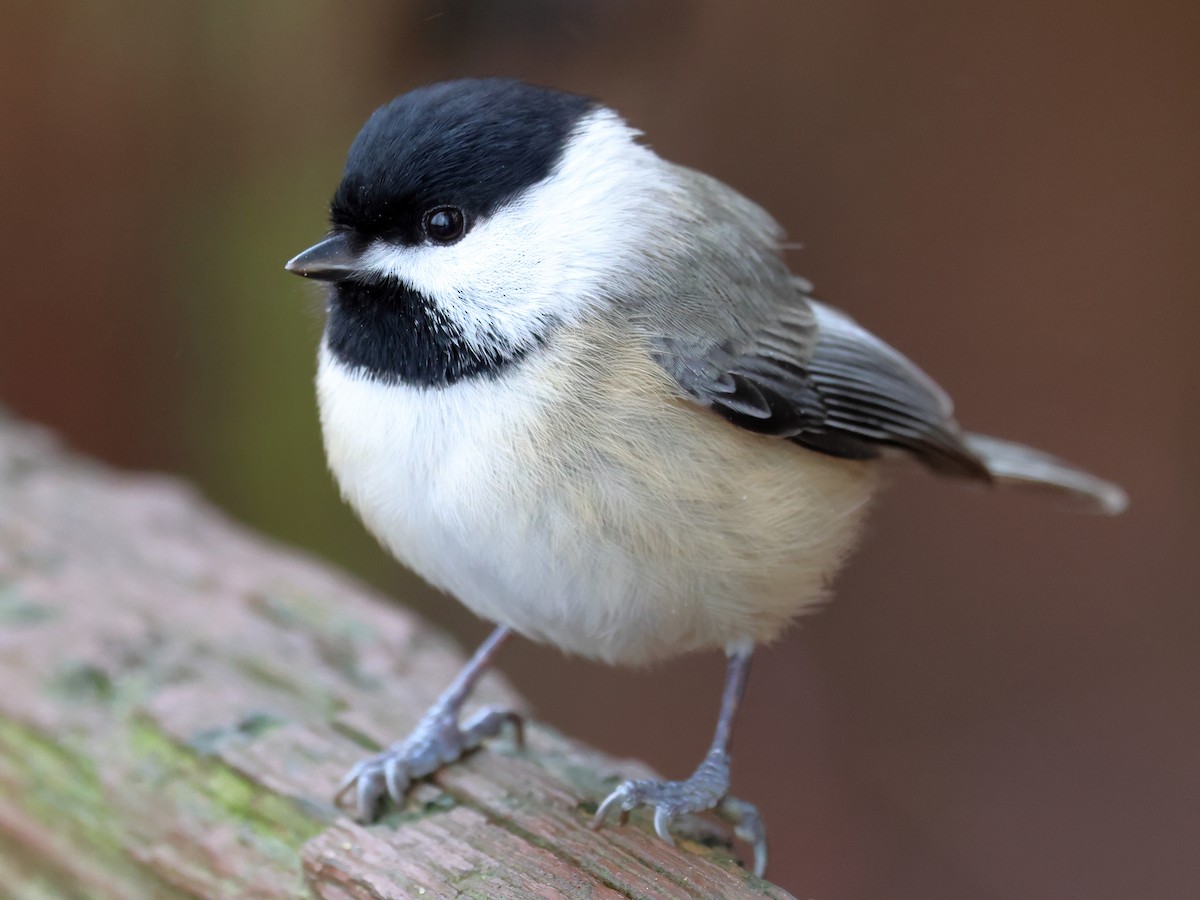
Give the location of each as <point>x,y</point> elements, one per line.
<point>331,260</point>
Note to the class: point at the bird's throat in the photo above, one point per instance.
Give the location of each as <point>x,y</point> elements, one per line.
<point>396,335</point>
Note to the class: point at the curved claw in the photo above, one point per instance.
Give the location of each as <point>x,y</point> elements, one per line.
<point>632,794</point>
<point>662,823</point>
<point>609,802</point>
<point>348,781</point>
<point>760,858</point>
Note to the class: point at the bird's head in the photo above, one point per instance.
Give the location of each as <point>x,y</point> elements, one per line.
<point>473,218</point>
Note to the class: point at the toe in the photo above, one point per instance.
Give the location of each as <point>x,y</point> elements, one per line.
<point>369,788</point>
<point>488,722</point>
<point>395,777</point>
<point>747,825</point>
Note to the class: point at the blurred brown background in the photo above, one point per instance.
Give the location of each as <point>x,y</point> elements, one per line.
<point>1003,700</point>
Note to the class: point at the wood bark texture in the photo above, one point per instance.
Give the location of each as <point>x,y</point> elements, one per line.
<point>179,697</point>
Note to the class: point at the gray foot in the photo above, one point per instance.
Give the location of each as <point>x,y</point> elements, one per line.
<point>436,741</point>
<point>707,789</point>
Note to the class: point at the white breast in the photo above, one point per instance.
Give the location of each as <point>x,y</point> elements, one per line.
<point>612,522</point>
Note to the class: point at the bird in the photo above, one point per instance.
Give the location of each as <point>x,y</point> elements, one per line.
<point>575,386</point>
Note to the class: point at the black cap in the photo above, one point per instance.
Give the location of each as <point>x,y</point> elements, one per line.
<point>472,144</point>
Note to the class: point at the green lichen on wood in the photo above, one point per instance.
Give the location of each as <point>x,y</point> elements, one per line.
<point>21,877</point>
<point>196,794</point>
<point>61,790</point>
<point>214,792</point>
<point>16,611</point>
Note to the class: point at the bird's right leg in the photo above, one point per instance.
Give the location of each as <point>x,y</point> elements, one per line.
<point>437,740</point>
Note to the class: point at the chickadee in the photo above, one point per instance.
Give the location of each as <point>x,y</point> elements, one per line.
<point>575,386</point>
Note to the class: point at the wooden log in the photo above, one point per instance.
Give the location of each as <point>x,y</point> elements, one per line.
<point>179,696</point>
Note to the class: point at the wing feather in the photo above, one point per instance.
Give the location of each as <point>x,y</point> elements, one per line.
<point>812,375</point>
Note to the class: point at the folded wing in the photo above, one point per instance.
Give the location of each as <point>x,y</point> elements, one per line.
<point>810,374</point>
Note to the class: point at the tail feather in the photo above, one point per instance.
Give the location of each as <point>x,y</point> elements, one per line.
<point>1024,467</point>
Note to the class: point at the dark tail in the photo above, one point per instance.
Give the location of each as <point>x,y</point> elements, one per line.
<point>1029,469</point>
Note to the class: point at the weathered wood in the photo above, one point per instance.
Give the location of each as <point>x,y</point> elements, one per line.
<point>178,698</point>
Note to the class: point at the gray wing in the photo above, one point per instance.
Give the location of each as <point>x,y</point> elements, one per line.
<point>808,373</point>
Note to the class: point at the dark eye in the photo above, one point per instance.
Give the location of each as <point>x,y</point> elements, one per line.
<point>445,224</point>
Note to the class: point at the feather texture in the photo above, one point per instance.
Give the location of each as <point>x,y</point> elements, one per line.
<point>811,374</point>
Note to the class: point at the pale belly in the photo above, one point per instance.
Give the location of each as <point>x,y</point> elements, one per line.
<point>622,526</point>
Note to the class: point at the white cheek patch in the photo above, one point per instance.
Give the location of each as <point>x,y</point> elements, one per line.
<point>552,254</point>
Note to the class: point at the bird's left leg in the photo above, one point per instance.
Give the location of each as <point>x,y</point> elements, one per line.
<point>708,787</point>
